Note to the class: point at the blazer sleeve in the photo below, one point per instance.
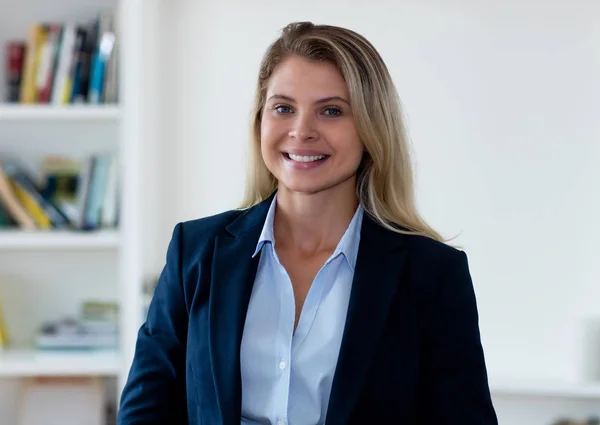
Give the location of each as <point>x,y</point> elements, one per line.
<point>454,382</point>
<point>155,389</point>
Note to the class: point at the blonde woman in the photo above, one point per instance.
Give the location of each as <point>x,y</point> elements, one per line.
<point>326,298</point>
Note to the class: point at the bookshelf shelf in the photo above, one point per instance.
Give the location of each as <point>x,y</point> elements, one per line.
<point>24,362</point>
<point>17,239</point>
<point>106,264</point>
<point>564,390</point>
<point>16,112</point>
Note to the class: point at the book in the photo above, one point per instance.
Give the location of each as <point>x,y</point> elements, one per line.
<point>67,193</point>
<point>3,330</point>
<point>96,327</point>
<point>44,212</point>
<point>15,57</point>
<point>10,200</point>
<point>63,63</point>
<point>35,41</point>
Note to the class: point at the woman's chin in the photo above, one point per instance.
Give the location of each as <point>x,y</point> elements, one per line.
<point>311,185</point>
<point>307,188</point>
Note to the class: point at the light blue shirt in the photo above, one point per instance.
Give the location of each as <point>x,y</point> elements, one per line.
<point>287,376</point>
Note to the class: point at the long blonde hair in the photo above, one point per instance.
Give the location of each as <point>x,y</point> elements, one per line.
<point>385,185</point>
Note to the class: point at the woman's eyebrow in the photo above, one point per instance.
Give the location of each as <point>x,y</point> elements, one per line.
<point>282,97</point>
<point>329,99</point>
<point>323,100</point>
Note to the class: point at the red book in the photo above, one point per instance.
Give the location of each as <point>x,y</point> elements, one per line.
<point>15,57</point>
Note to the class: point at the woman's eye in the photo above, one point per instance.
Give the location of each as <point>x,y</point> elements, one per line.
<point>333,112</point>
<point>282,109</point>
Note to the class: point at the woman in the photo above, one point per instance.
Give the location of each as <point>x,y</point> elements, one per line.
<point>326,299</point>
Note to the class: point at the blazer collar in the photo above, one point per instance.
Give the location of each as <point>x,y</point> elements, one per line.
<point>233,273</point>
<point>250,218</point>
<point>376,277</point>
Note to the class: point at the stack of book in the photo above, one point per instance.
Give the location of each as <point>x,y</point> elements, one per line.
<point>64,63</point>
<point>96,327</point>
<point>70,194</point>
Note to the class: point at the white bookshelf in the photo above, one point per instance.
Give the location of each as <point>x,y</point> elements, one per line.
<point>45,274</point>
<point>33,113</point>
<point>59,240</point>
<point>27,363</point>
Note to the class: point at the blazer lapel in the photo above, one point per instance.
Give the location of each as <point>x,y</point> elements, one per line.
<point>233,273</point>
<point>376,278</point>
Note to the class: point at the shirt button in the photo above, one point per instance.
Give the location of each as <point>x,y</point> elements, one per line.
<point>280,422</point>
<point>282,366</point>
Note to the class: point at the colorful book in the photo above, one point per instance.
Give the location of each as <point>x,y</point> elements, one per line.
<point>43,211</point>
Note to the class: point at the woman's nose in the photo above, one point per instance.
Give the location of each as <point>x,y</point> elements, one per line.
<point>303,128</point>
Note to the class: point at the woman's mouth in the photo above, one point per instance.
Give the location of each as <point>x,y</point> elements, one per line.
<point>301,158</point>
<point>304,162</point>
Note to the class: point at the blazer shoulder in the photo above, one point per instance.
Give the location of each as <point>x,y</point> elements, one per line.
<point>433,254</point>
<point>192,241</point>
<point>207,228</point>
<point>197,235</point>
<point>437,268</point>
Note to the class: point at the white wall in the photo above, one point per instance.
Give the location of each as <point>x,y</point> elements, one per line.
<point>164,145</point>
<point>503,106</point>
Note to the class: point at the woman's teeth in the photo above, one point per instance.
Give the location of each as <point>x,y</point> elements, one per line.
<point>299,158</point>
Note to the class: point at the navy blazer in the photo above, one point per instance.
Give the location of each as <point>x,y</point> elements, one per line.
<point>410,354</point>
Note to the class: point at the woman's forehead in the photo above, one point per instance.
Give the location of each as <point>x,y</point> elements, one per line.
<point>301,78</point>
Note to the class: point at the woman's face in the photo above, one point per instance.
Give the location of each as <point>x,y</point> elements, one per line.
<point>309,139</point>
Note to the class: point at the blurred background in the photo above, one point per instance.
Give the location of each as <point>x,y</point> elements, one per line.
<point>122,117</point>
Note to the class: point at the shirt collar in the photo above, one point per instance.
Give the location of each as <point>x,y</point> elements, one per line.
<point>267,234</point>
<point>348,245</point>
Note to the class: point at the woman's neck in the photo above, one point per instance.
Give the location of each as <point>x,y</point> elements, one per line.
<point>313,223</point>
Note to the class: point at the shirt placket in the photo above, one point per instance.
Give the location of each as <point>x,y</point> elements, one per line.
<point>285,331</point>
